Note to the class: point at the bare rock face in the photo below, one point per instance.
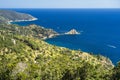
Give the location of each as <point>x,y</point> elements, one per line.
<point>73,31</point>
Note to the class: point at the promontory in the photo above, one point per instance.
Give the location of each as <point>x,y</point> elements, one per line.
<point>7,16</point>
<point>72,32</point>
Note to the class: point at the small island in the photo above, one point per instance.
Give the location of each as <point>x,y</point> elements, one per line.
<point>72,32</point>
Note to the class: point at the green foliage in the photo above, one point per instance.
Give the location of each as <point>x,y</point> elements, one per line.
<point>116,72</point>
<point>31,31</point>
<point>28,58</point>
<point>32,59</point>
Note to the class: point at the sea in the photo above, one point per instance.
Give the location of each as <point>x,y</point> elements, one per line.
<point>99,28</point>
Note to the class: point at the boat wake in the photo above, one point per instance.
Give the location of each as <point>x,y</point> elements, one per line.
<point>112,46</point>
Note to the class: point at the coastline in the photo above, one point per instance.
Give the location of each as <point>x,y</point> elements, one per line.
<point>44,38</point>
<point>34,19</point>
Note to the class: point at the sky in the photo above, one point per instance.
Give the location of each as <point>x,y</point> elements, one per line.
<point>59,3</point>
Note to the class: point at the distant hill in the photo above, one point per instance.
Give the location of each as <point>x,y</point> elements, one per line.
<point>9,15</point>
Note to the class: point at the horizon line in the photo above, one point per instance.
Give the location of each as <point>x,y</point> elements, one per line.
<point>59,8</point>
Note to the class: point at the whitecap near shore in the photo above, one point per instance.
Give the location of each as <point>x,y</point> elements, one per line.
<point>34,19</point>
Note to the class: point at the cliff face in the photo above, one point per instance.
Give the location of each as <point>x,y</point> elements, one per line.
<point>8,15</point>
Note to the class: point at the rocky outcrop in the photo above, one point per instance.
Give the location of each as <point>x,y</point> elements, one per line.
<point>72,32</point>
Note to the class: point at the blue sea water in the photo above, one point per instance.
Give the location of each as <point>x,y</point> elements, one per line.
<point>100,29</point>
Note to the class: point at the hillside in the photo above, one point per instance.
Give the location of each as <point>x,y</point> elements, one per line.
<point>27,58</point>
<point>31,31</point>
<point>9,15</point>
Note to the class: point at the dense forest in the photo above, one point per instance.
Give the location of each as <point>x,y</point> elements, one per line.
<point>24,55</point>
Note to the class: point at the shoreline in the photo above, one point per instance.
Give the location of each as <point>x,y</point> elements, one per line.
<point>34,19</point>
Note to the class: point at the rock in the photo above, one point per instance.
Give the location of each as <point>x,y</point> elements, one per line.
<point>14,41</point>
<point>73,31</point>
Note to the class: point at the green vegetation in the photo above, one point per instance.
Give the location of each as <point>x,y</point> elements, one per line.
<point>2,19</point>
<point>28,58</point>
<point>25,56</point>
<point>31,31</point>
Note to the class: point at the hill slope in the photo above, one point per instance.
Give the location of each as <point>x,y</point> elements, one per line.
<point>27,58</point>
<point>31,31</point>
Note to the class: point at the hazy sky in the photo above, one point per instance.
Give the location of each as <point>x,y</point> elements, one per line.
<point>59,3</point>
